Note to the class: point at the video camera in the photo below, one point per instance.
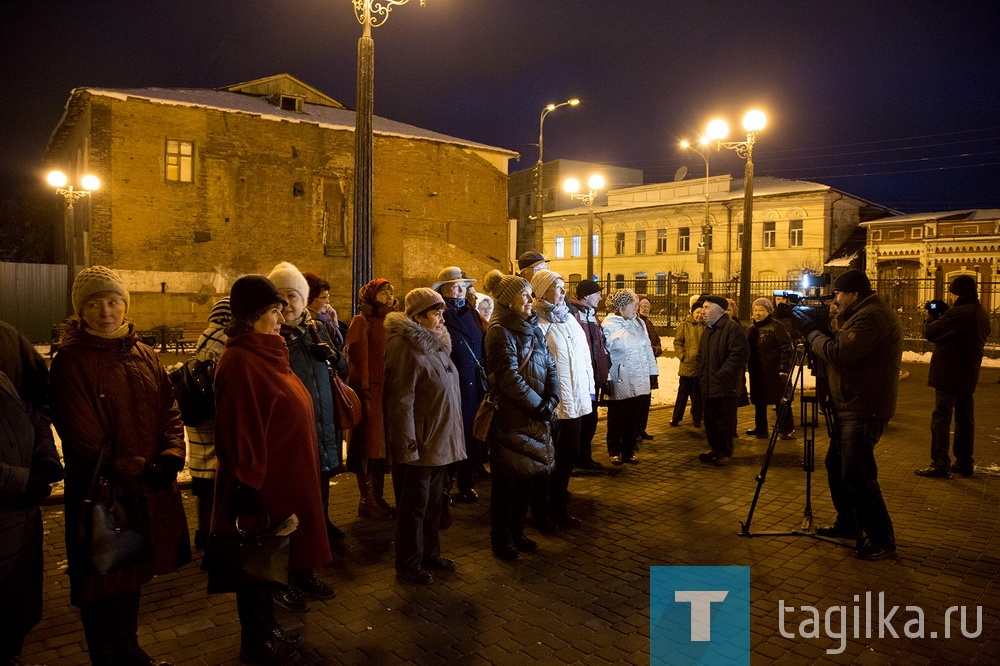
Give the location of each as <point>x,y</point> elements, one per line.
<point>813,305</point>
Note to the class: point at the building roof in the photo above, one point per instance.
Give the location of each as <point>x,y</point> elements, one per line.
<point>946,216</point>
<point>323,115</point>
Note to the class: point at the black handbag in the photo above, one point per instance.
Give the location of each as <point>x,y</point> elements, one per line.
<point>244,558</point>
<point>481,372</point>
<point>111,527</point>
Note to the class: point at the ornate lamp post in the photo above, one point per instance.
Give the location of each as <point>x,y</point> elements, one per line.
<point>718,130</point>
<point>371,14</point>
<point>71,195</point>
<point>594,183</point>
<point>706,229</point>
<point>538,234</point>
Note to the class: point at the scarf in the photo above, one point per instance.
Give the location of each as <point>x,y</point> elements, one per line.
<point>557,314</point>
<point>119,332</point>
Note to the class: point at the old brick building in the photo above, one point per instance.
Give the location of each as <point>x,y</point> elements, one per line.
<point>203,186</point>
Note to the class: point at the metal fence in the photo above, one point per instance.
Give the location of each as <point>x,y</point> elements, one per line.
<point>33,298</point>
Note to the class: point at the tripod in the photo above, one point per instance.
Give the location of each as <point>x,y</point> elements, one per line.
<point>809,412</point>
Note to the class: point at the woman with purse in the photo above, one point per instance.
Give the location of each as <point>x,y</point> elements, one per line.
<point>523,381</point>
<point>311,357</point>
<point>632,367</point>
<point>366,367</point>
<point>423,430</point>
<point>123,442</point>
<point>265,439</point>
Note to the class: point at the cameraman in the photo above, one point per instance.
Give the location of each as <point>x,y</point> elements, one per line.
<point>862,360</point>
<point>959,335</point>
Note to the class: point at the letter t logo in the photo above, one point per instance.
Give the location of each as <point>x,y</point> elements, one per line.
<point>701,610</point>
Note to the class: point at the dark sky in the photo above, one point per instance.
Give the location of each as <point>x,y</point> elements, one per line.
<point>895,102</point>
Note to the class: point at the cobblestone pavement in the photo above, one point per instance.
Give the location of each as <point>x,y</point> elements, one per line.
<point>584,597</point>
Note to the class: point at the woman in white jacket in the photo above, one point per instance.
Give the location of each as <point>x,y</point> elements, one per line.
<point>568,346</point>
<point>632,364</point>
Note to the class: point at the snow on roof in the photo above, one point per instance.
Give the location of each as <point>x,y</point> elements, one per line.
<point>842,262</point>
<point>324,116</point>
<point>967,215</point>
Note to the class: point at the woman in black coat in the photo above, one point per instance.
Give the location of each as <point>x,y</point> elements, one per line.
<point>770,360</point>
<point>522,375</point>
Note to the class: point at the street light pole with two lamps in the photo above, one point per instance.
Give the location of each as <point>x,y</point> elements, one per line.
<point>717,130</point>
<point>538,234</point>
<point>706,229</point>
<point>71,195</point>
<point>594,183</point>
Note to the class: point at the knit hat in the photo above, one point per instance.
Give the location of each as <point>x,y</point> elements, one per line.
<point>449,275</point>
<point>963,285</point>
<point>764,303</point>
<point>542,280</point>
<point>853,282</point>
<point>371,288</point>
<point>94,280</point>
<point>505,288</point>
<point>221,313</point>
<point>316,285</point>
<point>718,300</point>
<point>529,259</point>
<point>587,287</point>
<point>287,276</point>
<point>420,300</point>
<point>619,298</point>
<point>251,294</point>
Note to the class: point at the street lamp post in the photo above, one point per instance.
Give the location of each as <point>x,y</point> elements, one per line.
<point>594,183</point>
<point>371,14</point>
<point>718,130</point>
<point>538,232</point>
<point>706,229</point>
<point>71,195</point>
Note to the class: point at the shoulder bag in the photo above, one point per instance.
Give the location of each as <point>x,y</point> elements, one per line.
<point>346,404</point>
<point>236,560</point>
<point>483,419</point>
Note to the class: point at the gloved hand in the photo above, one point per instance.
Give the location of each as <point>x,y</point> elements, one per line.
<point>936,308</point>
<point>803,323</point>
<point>160,474</point>
<point>245,500</point>
<point>546,412</point>
<point>36,489</point>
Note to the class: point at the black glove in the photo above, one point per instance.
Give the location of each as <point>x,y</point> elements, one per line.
<point>245,500</point>
<point>546,412</point>
<point>36,489</point>
<point>803,323</point>
<point>160,474</point>
<point>654,382</point>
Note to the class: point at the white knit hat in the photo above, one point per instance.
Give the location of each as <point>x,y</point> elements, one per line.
<point>94,280</point>
<point>287,276</point>
<point>542,280</point>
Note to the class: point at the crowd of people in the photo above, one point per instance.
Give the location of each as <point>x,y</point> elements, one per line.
<point>424,371</point>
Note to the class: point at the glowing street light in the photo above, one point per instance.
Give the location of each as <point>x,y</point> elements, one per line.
<point>717,130</point>
<point>706,229</point>
<point>538,234</point>
<point>71,195</point>
<point>594,184</point>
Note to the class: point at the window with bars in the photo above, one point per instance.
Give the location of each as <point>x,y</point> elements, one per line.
<point>179,161</point>
<point>661,283</point>
<point>795,233</point>
<point>684,239</point>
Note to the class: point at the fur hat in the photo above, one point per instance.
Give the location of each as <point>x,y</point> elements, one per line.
<point>221,313</point>
<point>94,280</point>
<point>287,276</point>
<point>853,282</point>
<point>420,300</point>
<point>718,300</point>
<point>542,280</point>
<point>585,288</point>
<point>251,294</point>
<point>505,288</point>
<point>529,259</point>
<point>764,303</point>
<point>963,285</point>
<point>619,298</point>
<point>449,275</point>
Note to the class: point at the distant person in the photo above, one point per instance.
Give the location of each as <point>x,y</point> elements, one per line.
<point>687,347</point>
<point>583,308</point>
<point>530,263</point>
<point>320,309</point>
<point>24,367</point>
<point>645,308</point>
<point>485,306</point>
<point>770,362</point>
<point>959,335</point>
<point>724,353</point>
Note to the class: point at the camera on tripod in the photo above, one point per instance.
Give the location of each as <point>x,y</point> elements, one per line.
<point>808,301</point>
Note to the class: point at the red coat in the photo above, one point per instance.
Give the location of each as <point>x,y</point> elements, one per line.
<point>116,390</point>
<point>265,437</point>
<point>366,342</point>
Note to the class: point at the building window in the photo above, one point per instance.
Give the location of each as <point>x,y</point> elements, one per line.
<point>661,241</point>
<point>620,243</point>
<point>917,232</point>
<point>795,233</point>
<point>877,235</point>
<point>640,242</point>
<point>180,161</point>
<point>619,281</point>
<point>770,235</point>
<point>560,247</point>
<point>661,284</point>
<point>597,244</point>
<point>575,252</point>
<point>739,236</point>
<point>897,234</point>
<point>641,283</point>
<point>682,284</point>
<point>684,239</point>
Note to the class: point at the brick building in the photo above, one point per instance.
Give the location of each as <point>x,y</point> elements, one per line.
<point>201,186</point>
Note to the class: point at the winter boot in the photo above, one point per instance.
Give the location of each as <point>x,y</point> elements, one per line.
<point>368,507</point>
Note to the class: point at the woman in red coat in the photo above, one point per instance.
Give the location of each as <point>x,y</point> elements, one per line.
<point>366,342</point>
<point>109,391</point>
<point>265,439</point>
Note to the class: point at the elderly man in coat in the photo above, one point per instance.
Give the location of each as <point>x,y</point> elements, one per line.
<point>724,354</point>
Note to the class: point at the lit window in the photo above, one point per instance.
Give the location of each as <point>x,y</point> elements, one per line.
<point>684,239</point>
<point>576,246</point>
<point>560,247</point>
<point>770,235</point>
<point>795,233</point>
<point>180,161</point>
<point>661,241</point>
<point>597,244</point>
<point>640,242</point>
<point>739,236</point>
<point>620,243</point>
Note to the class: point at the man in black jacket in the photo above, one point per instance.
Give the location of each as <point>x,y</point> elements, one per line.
<point>723,362</point>
<point>862,360</point>
<point>959,334</point>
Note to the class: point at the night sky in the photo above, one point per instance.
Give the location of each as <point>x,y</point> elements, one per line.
<point>898,104</point>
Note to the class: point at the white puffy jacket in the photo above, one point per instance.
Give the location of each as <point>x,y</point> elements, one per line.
<point>632,360</point>
<point>568,346</point>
